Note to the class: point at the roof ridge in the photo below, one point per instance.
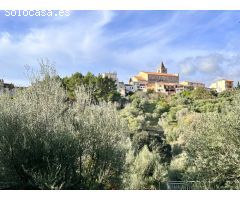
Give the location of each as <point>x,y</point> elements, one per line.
<point>157,73</point>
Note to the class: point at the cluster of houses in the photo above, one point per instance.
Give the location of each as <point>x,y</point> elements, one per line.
<point>163,82</point>
<point>160,81</point>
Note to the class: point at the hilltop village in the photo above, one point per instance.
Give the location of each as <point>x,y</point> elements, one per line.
<point>163,82</point>
<point>69,131</point>
<point>160,82</point>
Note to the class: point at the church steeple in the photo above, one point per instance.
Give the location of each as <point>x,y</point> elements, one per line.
<point>162,69</point>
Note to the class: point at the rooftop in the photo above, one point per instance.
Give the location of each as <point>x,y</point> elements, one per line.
<point>139,78</point>
<point>195,82</point>
<point>162,83</point>
<point>160,74</point>
<point>225,80</point>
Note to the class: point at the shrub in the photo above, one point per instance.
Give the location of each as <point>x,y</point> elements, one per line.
<point>47,142</point>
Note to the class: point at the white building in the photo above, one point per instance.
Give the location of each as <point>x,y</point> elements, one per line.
<point>120,85</point>
<point>222,85</point>
<point>111,75</point>
<point>130,88</point>
<point>121,89</point>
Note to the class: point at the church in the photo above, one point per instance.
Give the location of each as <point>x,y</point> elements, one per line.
<point>161,75</point>
<point>159,81</point>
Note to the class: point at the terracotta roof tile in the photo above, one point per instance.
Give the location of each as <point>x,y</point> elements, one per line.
<point>159,74</point>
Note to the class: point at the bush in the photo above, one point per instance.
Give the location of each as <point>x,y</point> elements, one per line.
<point>212,145</point>
<point>47,142</point>
<point>145,171</point>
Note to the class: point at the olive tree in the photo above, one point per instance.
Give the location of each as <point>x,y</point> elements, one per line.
<point>212,144</point>
<point>145,171</point>
<point>48,142</point>
<point>103,144</point>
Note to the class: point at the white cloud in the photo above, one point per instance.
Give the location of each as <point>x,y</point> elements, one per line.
<point>68,43</point>
<point>212,66</point>
<point>205,64</point>
<point>82,43</point>
<point>5,39</point>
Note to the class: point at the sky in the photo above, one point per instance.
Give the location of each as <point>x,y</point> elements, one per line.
<point>201,46</point>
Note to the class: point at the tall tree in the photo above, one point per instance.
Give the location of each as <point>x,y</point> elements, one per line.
<point>103,88</point>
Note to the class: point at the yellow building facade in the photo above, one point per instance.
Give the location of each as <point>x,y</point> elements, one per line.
<point>152,77</point>
<point>191,84</point>
<point>159,81</point>
<point>222,85</point>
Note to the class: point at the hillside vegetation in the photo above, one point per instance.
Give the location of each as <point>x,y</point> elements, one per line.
<point>70,133</point>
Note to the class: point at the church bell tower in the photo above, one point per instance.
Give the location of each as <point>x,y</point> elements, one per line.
<point>162,69</point>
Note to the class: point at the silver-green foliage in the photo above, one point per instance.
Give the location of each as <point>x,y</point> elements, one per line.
<point>48,142</point>
<point>145,170</point>
<point>212,143</point>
